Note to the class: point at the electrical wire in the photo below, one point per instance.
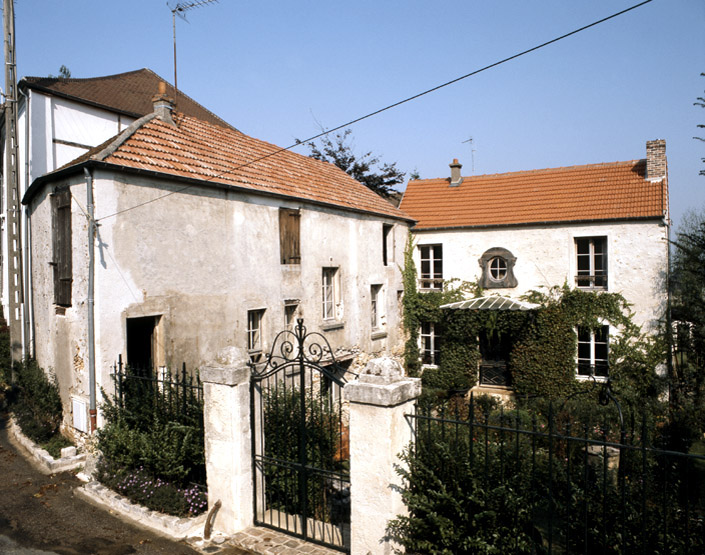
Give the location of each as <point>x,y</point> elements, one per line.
<point>391,106</point>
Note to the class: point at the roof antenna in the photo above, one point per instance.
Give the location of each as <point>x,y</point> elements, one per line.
<point>179,10</point>
<point>472,152</point>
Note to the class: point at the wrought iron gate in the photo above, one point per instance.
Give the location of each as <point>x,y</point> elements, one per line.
<point>300,441</point>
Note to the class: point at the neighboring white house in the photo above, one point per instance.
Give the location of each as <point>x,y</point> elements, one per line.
<point>58,120</point>
<point>601,227</point>
<point>206,238</point>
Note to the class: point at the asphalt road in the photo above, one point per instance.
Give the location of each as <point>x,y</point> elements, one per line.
<point>39,514</point>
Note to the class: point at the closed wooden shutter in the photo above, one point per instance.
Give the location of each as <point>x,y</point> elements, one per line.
<point>61,231</point>
<point>290,236</point>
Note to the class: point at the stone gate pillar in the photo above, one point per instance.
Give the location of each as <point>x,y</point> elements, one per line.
<point>379,431</point>
<point>226,396</point>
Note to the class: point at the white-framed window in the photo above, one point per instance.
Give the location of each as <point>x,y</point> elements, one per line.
<point>591,260</point>
<point>430,344</point>
<point>593,352</point>
<point>376,306</point>
<point>431,266</point>
<point>497,268</point>
<point>254,330</point>
<point>328,290</point>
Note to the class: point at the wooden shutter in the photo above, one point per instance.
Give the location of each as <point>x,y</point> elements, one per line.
<point>61,231</point>
<point>290,236</point>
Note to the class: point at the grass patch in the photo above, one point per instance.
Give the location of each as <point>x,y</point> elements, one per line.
<point>56,444</point>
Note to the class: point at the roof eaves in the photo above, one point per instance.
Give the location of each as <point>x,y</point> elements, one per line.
<point>538,224</point>
<point>99,164</point>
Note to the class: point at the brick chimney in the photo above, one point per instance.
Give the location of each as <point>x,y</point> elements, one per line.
<point>656,167</point>
<point>163,104</point>
<point>455,177</point>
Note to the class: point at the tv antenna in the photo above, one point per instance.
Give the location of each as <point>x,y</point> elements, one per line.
<point>180,10</point>
<point>472,152</point>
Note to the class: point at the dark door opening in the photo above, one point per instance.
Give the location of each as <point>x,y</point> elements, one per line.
<point>141,336</point>
<point>494,350</point>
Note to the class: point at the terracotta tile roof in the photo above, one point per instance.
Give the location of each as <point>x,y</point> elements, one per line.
<point>129,93</point>
<point>196,149</point>
<point>610,191</point>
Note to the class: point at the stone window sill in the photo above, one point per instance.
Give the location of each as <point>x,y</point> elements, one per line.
<point>331,325</point>
<point>379,334</point>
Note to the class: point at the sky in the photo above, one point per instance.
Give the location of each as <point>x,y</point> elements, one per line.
<point>282,71</point>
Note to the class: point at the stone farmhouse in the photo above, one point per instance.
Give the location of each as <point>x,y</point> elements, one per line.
<point>599,227</point>
<point>181,236</point>
<point>58,120</point>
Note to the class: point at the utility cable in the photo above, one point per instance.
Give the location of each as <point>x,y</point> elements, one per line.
<point>390,106</point>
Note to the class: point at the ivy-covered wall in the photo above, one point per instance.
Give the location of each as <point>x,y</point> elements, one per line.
<point>542,357</point>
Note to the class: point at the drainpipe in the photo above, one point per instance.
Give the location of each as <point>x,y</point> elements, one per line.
<point>28,312</point>
<point>91,299</point>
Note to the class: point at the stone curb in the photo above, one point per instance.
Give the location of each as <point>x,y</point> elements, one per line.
<point>40,457</point>
<point>171,526</point>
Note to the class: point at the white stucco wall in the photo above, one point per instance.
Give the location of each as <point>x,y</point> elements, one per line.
<point>200,259</point>
<point>545,256</point>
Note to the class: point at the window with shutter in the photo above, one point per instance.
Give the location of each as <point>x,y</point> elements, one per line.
<point>61,232</point>
<point>290,236</point>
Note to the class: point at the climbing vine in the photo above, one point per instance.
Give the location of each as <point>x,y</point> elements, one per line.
<point>542,356</point>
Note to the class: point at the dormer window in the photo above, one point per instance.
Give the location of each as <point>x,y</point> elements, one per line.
<point>497,269</point>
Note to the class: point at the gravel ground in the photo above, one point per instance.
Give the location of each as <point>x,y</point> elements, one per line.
<point>39,512</point>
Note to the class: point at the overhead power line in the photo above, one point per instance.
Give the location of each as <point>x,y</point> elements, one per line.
<point>394,105</point>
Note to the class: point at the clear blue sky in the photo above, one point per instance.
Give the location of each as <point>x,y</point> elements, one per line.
<point>279,70</point>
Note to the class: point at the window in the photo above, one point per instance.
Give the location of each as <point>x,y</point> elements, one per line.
<point>430,344</point>
<point>290,236</point>
<point>61,231</point>
<point>497,269</point>
<point>329,292</point>
<point>290,310</point>
<point>254,333</point>
<point>387,248</point>
<point>431,266</point>
<point>593,348</point>
<point>591,253</point>
<point>375,306</point>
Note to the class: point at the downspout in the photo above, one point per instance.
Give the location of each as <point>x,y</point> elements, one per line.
<point>91,299</point>
<point>28,312</point>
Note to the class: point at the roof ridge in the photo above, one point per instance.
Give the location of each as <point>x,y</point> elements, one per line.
<point>67,79</point>
<point>538,170</point>
<point>122,137</point>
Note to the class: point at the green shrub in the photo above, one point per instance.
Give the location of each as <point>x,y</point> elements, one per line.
<point>37,407</point>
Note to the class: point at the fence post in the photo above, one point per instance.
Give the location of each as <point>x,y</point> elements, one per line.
<point>379,432</point>
<point>226,390</point>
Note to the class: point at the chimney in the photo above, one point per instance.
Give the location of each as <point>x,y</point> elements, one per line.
<point>163,104</point>
<point>455,177</point>
<point>656,168</point>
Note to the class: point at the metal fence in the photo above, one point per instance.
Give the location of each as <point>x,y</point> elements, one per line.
<point>175,396</point>
<point>563,484</point>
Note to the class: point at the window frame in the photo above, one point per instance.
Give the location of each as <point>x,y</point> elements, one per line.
<point>595,279</point>
<point>490,281</point>
<point>431,255</point>
<point>376,307</point>
<point>329,293</point>
<point>429,344</point>
<point>387,242</point>
<point>255,325</point>
<point>596,341</point>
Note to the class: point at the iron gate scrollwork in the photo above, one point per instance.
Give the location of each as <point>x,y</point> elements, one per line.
<point>300,440</point>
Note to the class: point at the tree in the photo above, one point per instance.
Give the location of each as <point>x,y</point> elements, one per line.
<point>64,73</point>
<point>701,102</point>
<point>367,169</point>
<point>688,314</point>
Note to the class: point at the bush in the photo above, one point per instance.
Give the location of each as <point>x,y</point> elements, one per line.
<point>152,446</point>
<point>37,407</point>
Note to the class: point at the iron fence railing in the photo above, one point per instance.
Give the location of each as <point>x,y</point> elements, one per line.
<point>589,485</point>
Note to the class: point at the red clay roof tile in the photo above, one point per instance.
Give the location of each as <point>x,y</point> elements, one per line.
<point>609,191</point>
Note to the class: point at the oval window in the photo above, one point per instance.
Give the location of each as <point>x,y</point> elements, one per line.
<point>498,268</point>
